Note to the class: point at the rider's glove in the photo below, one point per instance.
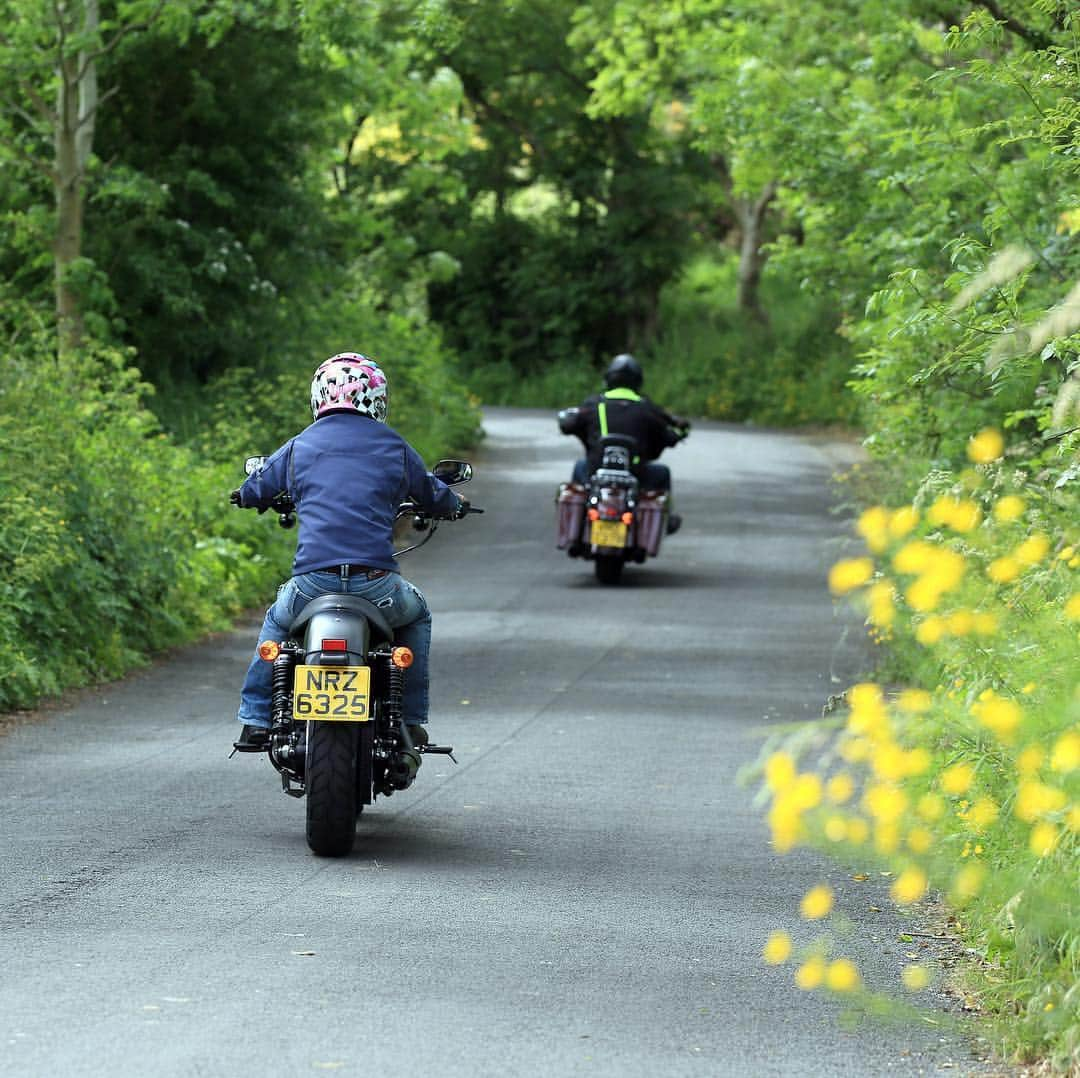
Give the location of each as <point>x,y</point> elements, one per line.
<point>235,498</point>
<point>462,508</point>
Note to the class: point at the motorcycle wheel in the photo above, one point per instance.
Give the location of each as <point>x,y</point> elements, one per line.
<point>608,568</point>
<point>331,788</point>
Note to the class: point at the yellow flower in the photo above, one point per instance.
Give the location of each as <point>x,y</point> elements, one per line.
<point>889,761</point>
<point>983,813</point>
<point>957,778</point>
<point>1072,607</point>
<point>1033,549</point>
<point>779,771</point>
<point>913,557</point>
<point>903,521</point>
<point>810,974</point>
<point>917,761</point>
<point>967,882</point>
<point>839,788</point>
<point>806,791</point>
<point>1035,799</point>
<point>1003,570</point>
<point>850,574</point>
<point>873,525</point>
<point>1030,760</point>
<point>886,836</point>
<point>915,978</point>
<point>1009,508</point>
<point>1072,819</point>
<point>842,976</point>
<point>919,840</point>
<point>1066,754</point>
<point>930,630</point>
<point>1043,839</point>
<point>858,830</point>
<point>960,622</point>
<point>986,446</point>
<point>836,829</point>
<point>885,802</point>
<point>1067,553</point>
<point>777,948</point>
<point>882,612</point>
<point>962,515</point>
<point>985,623</point>
<point>998,714</point>
<point>817,902</point>
<point>924,595</point>
<point>909,886</point>
<point>930,807</point>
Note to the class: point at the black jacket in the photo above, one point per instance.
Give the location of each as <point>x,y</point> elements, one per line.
<point>622,411</point>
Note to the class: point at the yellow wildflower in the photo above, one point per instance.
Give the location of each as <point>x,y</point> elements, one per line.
<point>1067,553</point>
<point>985,623</point>
<point>1033,549</point>
<point>986,446</point>
<point>885,802</point>
<point>1066,753</point>
<point>777,948</point>
<point>919,840</point>
<point>915,977</point>
<point>1043,839</point>
<point>998,714</point>
<point>836,829</point>
<point>968,881</point>
<point>1003,570</point>
<point>914,701</point>
<point>930,807</point>
<point>960,622</point>
<point>957,778</point>
<point>882,612</point>
<point>850,574</point>
<point>1035,799</point>
<point>858,830</point>
<point>930,630</point>
<point>886,836</point>
<point>983,813</point>
<point>1030,760</point>
<point>909,886</point>
<point>960,514</point>
<point>913,557</point>
<point>1072,607</point>
<point>839,788</point>
<point>779,771</point>
<point>873,526</point>
<point>842,976</point>
<point>817,902</point>
<point>1072,819</point>
<point>903,521</point>
<point>1011,507</point>
<point>810,974</point>
<point>924,594</point>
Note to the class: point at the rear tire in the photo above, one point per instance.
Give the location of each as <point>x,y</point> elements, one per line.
<point>330,779</point>
<point>608,568</point>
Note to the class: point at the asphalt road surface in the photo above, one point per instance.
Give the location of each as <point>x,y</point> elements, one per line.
<point>585,893</point>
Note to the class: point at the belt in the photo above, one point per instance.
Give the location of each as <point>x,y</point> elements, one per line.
<point>346,571</point>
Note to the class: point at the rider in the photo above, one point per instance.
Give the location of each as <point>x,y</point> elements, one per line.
<point>622,409</point>
<point>346,473</point>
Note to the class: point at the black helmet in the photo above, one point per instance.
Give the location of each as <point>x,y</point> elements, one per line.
<point>624,372</point>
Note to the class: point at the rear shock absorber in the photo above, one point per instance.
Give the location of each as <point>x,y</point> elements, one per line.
<point>395,689</point>
<point>281,685</point>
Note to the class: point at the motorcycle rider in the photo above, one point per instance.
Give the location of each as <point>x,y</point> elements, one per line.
<point>623,409</point>
<point>346,473</point>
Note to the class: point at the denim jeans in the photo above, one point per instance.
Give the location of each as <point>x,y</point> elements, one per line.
<point>403,607</point>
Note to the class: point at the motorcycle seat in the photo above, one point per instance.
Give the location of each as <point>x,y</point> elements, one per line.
<point>353,604</point>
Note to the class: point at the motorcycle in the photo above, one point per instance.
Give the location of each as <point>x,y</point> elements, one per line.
<point>337,735</point>
<point>611,520</point>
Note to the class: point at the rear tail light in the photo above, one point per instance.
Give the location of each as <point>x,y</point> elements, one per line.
<point>335,644</point>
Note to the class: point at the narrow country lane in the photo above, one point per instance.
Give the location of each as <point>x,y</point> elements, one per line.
<point>585,893</point>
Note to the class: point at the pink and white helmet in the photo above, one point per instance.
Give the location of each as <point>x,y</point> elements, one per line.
<point>349,382</point>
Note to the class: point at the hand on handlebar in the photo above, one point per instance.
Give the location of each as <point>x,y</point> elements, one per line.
<point>235,499</point>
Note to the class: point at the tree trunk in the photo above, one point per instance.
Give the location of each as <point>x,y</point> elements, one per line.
<point>750,213</point>
<point>73,143</point>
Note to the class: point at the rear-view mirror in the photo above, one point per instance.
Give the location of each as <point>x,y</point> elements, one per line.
<point>453,471</point>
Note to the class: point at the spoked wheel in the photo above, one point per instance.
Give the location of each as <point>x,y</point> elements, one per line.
<point>608,568</point>
<point>331,787</point>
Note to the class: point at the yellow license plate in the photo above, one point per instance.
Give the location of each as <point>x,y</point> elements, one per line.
<point>608,533</point>
<point>332,693</point>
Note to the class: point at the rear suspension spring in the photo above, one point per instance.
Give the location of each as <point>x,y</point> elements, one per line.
<point>281,683</point>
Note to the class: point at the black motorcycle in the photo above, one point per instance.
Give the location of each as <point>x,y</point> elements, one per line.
<point>337,735</point>
<point>611,520</point>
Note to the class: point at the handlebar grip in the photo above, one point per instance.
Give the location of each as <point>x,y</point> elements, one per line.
<point>475,509</point>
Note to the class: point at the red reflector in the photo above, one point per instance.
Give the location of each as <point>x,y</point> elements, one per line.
<point>335,644</point>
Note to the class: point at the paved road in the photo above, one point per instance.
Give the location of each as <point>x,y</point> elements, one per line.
<point>585,894</point>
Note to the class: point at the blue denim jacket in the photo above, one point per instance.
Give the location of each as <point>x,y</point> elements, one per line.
<point>347,474</point>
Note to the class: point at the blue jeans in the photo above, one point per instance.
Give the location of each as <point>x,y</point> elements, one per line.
<point>403,607</point>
